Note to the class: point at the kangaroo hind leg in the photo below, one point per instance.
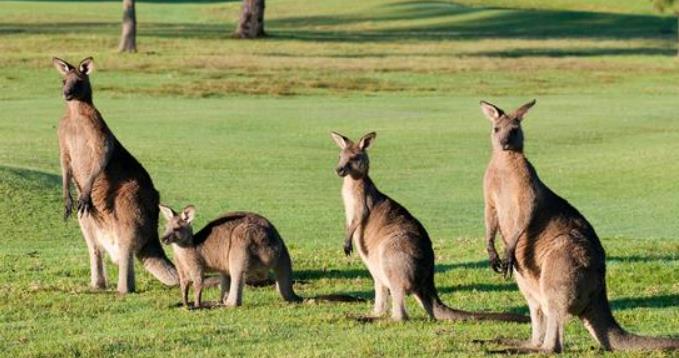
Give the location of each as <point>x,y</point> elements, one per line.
<point>97,269</point>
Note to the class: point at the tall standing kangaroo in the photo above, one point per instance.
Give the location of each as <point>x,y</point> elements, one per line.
<point>391,242</point>
<point>553,252</point>
<point>117,203</point>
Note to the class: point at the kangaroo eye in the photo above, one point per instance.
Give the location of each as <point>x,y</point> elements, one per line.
<point>496,129</point>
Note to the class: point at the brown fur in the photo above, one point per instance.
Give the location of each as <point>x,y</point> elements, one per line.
<point>391,242</point>
<point>235,245</point>
<point>554,253</point>
<point>117,203</point>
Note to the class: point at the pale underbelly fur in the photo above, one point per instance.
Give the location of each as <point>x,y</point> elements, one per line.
<point>351,207</point>
<point>104,238</point>
<point>107,240</point>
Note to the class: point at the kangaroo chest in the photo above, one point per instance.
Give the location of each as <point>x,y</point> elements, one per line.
<point>85,144</point>
<point>189,260</point>
<point>511,190</point>
<point>353,197</point>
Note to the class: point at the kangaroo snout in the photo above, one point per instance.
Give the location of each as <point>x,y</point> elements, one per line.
<point>68,94</point>
<point>341,171</point>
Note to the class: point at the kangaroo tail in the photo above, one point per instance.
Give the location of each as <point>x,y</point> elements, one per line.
<point>438,310</point>
<point>600,322</point>
<point>441,312</point>
<point>283,271</point>
<point>154,260</point>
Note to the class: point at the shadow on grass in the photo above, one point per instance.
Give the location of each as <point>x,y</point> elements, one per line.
<point>420,21</point>
<point>583,52</point>
<point>348,274</point>
<point>660,301</point>
<point>29,178</point>
<point>454,21</point>
<point>482,287</point>
<point>204,305</point>
<point>639,258</point>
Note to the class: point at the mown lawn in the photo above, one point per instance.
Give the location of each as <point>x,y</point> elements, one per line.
<point>230,125</point>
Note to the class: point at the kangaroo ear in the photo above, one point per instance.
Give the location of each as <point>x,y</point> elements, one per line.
<point>168,213</point>
<point>341,140</point>
<point>491,111</point>
<point>62,66</point>
<point>519,113</point>
<point>188,214</point>
<point>86,66</point>
<point>365,141</point>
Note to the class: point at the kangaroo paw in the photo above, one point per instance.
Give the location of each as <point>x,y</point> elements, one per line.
<point>84,204</point>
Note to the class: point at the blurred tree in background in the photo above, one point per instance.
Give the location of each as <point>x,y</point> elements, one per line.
<point>128,38</point>
<point>251,23</point>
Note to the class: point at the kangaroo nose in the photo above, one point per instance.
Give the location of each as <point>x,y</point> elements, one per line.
<point>340,171</point>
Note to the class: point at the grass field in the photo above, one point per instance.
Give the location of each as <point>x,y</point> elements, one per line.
<point>230,125</point>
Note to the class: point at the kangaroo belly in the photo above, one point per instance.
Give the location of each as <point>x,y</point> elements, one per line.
<point>373,261</point>
<point>102,236</point>
<point>108,241</point>
<point>529,287</point>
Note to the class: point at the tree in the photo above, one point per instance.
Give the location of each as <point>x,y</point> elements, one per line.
<point>128,39</point>
<point>251,23</point>
<point>669,5</point>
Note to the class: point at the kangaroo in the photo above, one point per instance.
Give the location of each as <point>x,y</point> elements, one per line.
<point>391,242</point>
<point>554,253</point>
<point>235,245</point>
<point>117,203</point>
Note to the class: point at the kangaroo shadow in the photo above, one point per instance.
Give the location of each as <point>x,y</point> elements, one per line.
<point>30,178</point>
<point>482,287</point>
<point>344,274</point>
<point>660,301</point>
<point>469,265</point>
<point>353,273</point>
<point>639,258</point>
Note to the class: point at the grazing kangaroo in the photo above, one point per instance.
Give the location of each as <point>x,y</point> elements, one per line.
<point>555,254</point>
<point>235,245</point>
<point>117,203</point>
<point>391,242</point>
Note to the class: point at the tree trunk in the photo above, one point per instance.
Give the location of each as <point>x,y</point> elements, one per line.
<point>677,14</point>
<point>128,39</point>
<point>251,24</point>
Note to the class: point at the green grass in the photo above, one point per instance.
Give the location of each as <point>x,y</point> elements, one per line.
<point>229,125</point>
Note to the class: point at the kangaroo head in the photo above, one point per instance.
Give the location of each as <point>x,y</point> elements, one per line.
<point>506,133</point>
<point>178,229</point>
<point>76,80</point>
<point>353,159</point>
